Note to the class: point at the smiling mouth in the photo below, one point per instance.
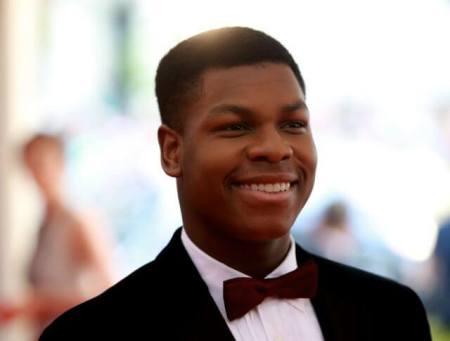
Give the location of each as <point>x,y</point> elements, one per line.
<point>276,187</point>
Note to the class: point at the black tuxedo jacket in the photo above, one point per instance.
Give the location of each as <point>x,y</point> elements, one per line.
<point>167,300</point>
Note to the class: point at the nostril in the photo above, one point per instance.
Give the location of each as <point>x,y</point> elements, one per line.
<point>271,151</point>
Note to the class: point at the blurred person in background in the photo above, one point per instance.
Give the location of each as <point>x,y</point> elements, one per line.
<point>72,257</point>
<point>437,269</point>
<point>440,300</point>
<point>333,237</point>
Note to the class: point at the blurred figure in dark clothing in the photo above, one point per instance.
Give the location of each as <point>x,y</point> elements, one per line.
<point>441,299</point>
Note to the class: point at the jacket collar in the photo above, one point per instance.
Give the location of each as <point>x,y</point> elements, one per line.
<point>205,321</point>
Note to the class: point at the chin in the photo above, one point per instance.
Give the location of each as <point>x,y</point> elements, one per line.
<point>264,231</point>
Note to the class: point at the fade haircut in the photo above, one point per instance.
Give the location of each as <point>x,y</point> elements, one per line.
<point>178,77</point>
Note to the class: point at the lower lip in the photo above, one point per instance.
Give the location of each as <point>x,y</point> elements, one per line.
<point>265,197</point>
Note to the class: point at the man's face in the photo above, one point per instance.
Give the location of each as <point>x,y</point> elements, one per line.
<point>247,160</point>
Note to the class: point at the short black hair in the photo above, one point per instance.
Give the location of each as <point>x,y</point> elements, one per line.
<point>179,72</point>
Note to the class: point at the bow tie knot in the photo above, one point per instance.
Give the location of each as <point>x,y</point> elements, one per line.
<point>243,294</point>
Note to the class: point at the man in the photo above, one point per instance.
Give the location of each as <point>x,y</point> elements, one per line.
<point>235,134</point>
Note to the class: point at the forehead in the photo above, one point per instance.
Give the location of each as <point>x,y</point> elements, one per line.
<point>44,143</point>
<point>237,81</point>
<point>43,147</point>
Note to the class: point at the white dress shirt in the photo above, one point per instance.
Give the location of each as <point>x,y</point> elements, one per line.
<point>272,320</point>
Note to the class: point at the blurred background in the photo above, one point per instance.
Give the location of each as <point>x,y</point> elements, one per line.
<point>378,88</point>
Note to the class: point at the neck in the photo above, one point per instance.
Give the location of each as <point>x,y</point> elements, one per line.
<point>253,258</point>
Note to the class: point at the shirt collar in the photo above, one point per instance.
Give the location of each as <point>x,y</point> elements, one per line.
<point>214,272</point>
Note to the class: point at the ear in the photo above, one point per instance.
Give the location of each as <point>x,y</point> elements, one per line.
<point>170,144</point>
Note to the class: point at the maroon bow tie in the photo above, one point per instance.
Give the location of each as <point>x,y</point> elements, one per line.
<point>243,294</point>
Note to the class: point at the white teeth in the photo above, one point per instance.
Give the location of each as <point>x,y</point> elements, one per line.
<point>269,188</point>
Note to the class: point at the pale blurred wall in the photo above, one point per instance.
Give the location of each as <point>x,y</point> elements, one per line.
<point>18,109</point>
<point>3,125</point>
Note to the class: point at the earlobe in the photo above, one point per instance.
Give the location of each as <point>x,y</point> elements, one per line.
<point>170,146</point>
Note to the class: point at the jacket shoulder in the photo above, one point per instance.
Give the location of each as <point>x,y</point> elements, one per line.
<point>383,304</point>
<point>345,276</point>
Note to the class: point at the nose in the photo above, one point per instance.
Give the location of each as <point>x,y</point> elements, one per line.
<point>269,145</point>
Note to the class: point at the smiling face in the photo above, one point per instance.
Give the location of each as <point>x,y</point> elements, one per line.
<point>245,161</point>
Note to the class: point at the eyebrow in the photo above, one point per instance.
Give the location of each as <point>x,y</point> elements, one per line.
<point>299,105</point>
<point>241,110</point>
<point>230,108</point>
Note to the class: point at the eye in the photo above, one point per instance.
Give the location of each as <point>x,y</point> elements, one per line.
<point>233,129</point>
<point>236,127</point>
<point>295,126</point>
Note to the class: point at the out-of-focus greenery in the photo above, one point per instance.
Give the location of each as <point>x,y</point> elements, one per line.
<point>439,332</point>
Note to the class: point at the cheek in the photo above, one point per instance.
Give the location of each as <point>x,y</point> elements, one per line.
<point>211,156</point>
<point>206,166</point>
<point>307,154</point>
<point>313,158</point>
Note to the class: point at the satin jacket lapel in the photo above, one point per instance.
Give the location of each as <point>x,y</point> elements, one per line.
<point>338,319</point>
<point>197,316</point>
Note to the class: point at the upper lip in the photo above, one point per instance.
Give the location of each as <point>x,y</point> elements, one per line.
<point>266,178</point>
